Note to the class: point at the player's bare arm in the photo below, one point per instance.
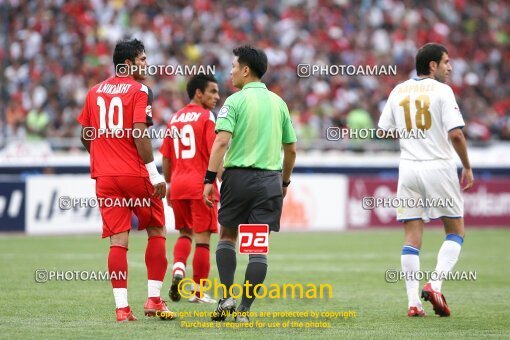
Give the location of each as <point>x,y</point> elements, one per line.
<point>289,159</point>
<point>85,142</point>
<point>166,169</point>
<point>144,148</point>
<point>218,151</point>
<point>460,146</point>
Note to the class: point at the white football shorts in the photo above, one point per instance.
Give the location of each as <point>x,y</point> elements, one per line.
<point>428,190</point>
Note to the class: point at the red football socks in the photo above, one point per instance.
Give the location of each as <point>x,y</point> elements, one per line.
<point>182,249</point>
<point>117,266</point>
<point>201,262</point>
<point>155,258</point>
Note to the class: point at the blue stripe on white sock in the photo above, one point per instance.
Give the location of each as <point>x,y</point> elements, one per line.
<point>455,238</point>
<point>410,250</point>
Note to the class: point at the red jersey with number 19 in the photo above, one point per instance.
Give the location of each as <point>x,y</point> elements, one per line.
<point>188,147</point>
<point>116,103</point>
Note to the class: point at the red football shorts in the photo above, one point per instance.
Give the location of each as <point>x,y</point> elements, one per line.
<point>128,195</point>
<point>196,215</point>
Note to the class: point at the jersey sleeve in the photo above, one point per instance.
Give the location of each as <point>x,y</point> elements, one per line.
<point>84,117</point>
<point>451,116</point>
<point>209,130</point>
<point>288,132</point>
<point>387,119</point>
<point>143,106</point>
<point>227,117</point>
<point>166,147</point>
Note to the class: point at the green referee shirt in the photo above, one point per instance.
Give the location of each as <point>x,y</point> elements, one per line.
<point>260,123</point>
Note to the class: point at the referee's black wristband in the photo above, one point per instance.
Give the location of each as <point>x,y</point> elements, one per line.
<point>210,177</point>
<point>285,184</point>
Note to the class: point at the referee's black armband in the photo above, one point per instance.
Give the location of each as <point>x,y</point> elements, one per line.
<point>210,177</point>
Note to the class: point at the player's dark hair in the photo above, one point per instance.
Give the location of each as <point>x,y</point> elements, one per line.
<point>254,58</point>
<point>199,81</point>
<point>427,53</point>
<point>127,49</point>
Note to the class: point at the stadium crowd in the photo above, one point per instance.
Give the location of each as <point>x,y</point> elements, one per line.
<point>53,51</point>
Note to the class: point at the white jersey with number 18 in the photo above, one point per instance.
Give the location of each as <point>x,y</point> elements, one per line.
<point>424,104</point>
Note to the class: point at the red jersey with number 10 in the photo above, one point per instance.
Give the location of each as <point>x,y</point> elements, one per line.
<point>188,145</point>
<point>116,103</point>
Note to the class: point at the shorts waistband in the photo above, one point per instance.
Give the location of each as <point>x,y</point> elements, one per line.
<point>429,164</point>
<point>252,169</point>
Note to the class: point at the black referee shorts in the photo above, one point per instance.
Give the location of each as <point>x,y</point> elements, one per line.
<point>251,196</point>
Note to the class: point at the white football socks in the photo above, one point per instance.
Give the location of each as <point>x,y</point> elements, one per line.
<point>410,261</point>
<point>446,259</point>
<point>154,288</point>
<point>120,295</point>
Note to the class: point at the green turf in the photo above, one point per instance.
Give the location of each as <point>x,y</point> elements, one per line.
<point>353,262</point>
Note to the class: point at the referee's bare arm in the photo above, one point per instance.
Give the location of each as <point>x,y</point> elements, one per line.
<point>218,150</point>
<point>289,159</point>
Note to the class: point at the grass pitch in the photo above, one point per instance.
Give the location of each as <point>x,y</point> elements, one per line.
<point>354,263</point>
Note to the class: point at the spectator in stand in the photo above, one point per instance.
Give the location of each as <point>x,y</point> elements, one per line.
<point>45,45</point>
<point>37,124</point>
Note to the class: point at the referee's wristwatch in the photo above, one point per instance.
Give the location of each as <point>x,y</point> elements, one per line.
<point>285,183</point>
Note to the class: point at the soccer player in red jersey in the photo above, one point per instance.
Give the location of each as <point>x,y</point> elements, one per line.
<point>186,151</point>
<point>123,166</point>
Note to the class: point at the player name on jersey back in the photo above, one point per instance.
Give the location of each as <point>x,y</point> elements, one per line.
<point>185,117</point>
<point>113,88</point>
<point>420,87</point>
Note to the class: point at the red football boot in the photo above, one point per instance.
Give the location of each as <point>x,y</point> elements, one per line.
<point>437,299</point>
<point>159,308</point>
<point>125,314</point>
<point>415,311</point>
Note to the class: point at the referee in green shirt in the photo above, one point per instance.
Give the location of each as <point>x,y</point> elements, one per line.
<point>257,123</point>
